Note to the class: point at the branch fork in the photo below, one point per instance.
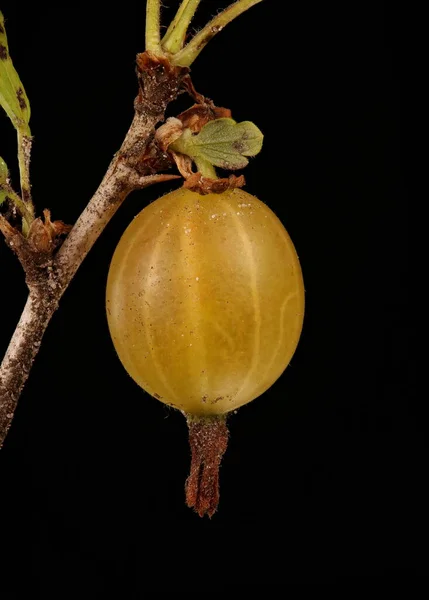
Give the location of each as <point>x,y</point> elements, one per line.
<point>49,262</point>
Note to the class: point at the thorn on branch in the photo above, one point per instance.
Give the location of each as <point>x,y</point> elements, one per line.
<point>147,180</point>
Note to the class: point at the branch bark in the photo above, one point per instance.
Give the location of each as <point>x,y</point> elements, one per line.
<point>20,355</point>
<point>48,274</point>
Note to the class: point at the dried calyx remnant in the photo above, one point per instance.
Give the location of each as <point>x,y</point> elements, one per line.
<point>208,439</point>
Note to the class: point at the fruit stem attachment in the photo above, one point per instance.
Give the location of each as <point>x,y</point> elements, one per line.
<point>205,168</point>
<point>208,439</point>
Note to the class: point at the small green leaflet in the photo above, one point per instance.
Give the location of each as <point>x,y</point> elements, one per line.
<point>223,143</point>
<point>12,93</point>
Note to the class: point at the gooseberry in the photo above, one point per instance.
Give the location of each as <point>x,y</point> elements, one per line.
<point>205,302</point>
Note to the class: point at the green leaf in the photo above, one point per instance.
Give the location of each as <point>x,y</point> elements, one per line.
<point>12,93</point>
<point>222,142</point>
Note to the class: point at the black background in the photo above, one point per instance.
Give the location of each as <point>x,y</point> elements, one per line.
<point>325,473</point>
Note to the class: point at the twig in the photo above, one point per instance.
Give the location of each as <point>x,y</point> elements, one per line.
<point>48,275</point>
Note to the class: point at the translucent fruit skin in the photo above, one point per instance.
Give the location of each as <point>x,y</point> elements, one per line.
<point>205,300</point>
